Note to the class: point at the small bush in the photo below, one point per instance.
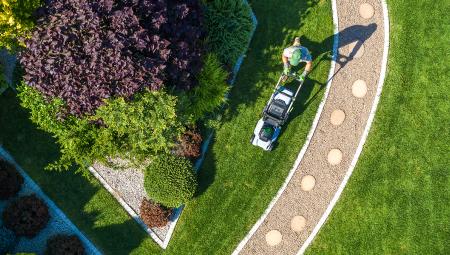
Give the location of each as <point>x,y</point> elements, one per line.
<point>26,216</point>
<point>7,240</point>
<point>170,180</point>
<point>189,145</point>
<point>10,180</point>
<point>229,24</point>
<point>153,214</point>
<point>210,92</point>
<point>64,244</point>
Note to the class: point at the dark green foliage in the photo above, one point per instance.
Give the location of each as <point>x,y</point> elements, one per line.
<point>170,180</point>
<point>7,240</point>
<point>3,83</point>
<point>134,130</point>
<point>10,180</point>
<point>26,216</point>
<point>210,92</point>
<point>64,244</point>
<point>229,25</point>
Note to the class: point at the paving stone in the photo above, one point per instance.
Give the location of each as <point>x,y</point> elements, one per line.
<point>337,117</point>
<point>298,223</point>
<point>273,238</point>
<point>308,182</point>
<point>366,11</point>
<point>359,88</point>
<point>334,157</point>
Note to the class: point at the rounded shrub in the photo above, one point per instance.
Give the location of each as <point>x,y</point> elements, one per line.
<point>64,244</point>
<point>26,216</point>
<point>153,214</point>
<point>7,240</point>
<point>10,180</point>
<point>170,180</point>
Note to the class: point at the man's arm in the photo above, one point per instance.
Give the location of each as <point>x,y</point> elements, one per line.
<point>308,66</point>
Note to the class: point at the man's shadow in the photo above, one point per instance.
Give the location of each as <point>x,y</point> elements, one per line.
<point>321,51</point>
<point>356,34</point>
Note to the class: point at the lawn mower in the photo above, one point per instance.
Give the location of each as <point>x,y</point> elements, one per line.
<point>275,114</point>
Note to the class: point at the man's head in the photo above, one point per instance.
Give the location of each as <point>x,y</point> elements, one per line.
<point>296,41</point>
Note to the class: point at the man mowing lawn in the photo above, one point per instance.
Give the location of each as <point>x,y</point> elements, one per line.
<point>294,55</point>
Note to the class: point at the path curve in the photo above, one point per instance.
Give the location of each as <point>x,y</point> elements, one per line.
<point>337,136</point>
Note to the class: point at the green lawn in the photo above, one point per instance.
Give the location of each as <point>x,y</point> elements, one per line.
<point>398,198</point>
<point>237,179</point>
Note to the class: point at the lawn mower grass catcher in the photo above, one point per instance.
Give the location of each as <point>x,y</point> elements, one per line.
<point>274,115</point>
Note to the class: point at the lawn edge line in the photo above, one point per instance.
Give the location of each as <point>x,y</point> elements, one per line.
<point>36,189</point>
<point>308,138</point>
<point>365,133</point>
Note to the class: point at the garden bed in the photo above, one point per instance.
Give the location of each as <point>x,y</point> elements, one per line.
<point>127,185</point>
<point>57,224</point>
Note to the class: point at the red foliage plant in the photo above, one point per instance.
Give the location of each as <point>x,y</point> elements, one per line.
<point>85,51</point>
<point>10,180</point>
<point>153,214</point>
<point>26,216</point>
<point>189,145</point>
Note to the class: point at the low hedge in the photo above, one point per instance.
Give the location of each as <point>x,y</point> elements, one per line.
<point>170,180</point>
<point>10,180</point>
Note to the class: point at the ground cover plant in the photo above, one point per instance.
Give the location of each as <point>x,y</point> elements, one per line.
<point>64,244</point>
<point>10,180</point>
<point>396,201</point>
<point>237,180</point>
<point>153,214</point>
<point>26,216</point>
<point>7,240</point>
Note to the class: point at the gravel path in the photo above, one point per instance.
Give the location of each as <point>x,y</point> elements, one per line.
<point>336,139</point>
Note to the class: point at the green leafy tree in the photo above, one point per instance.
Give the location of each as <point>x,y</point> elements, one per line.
<point>16,22</point>
<point>134,130</point>
<point>170,180</point>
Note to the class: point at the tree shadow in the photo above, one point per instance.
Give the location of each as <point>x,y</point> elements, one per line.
<point>261,68</point>
<point>83,200</point>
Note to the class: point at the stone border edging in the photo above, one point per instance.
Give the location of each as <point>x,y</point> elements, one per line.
<point>365,133</point>
<point>308,138</point>
<point>89,246</point>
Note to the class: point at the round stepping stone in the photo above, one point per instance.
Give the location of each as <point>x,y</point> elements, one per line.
<point>351,48</point>
<point>366,11</point>
<point>359,88</point>
<point>337,117</point>
<point>334,157</point>
<point>298,223</point>
<point>308,182</point>
<point>273,237</point>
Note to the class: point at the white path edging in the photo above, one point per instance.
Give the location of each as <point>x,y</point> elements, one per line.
<point>308,138</point>
<point>365,133</point>
<point>88,245</point>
